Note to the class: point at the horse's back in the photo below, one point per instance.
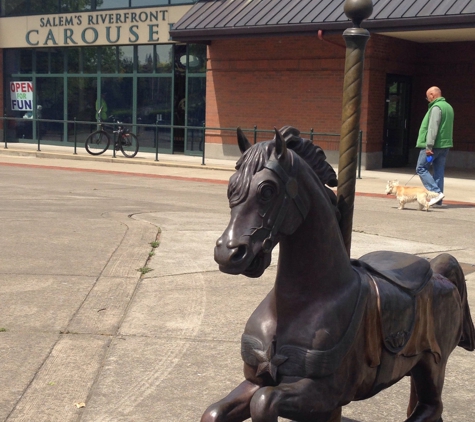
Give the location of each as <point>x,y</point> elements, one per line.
<point>447,266</point>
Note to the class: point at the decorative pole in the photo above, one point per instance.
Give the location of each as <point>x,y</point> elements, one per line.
<point>355,40</point>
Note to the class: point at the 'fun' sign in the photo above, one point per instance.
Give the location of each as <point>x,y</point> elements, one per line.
<point>21,96</point>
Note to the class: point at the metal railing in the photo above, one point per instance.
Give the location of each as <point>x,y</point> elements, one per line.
<point>254,135</point>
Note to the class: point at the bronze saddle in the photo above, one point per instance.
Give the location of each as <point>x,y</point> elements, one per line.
<point>399,277</point>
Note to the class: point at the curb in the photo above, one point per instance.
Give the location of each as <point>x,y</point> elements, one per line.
<point>105,159</point>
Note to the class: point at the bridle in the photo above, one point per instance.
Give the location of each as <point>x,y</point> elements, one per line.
<point>290,190</point>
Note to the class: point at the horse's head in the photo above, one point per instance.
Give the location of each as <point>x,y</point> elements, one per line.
<point>265,203</point>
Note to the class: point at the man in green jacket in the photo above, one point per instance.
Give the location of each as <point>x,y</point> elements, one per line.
<point>435,138</point>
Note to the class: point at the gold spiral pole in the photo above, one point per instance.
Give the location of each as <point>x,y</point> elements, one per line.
<point>355,39</point>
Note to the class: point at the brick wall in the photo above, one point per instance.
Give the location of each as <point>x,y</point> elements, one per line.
<point>275,81</point>
<point>450,66</point>
<point>298,80</point>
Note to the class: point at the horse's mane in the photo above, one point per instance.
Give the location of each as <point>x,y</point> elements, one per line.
<point>311,153</point>
<point>254,159</point>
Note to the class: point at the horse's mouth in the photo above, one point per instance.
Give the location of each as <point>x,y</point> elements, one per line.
<point>258,265</point>
<point>255,269</point>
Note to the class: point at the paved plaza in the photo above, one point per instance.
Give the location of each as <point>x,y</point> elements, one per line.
<point>113,309</point>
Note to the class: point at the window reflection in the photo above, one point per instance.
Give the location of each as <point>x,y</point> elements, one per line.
<point>49,100</point>
<point>26,61</point>
<point>42,61</point>
<point>111,4</point>
<point>163,90</point>
<point>119,94</point>
<point>126,59</point>
<point>164,58</point>
<point>76,5</point>
<point>140,3</point>
<point>89,59</point>
<point>154,105</point>
<point>145,58</point>
<point>73,60</point>
<point>108,59</point>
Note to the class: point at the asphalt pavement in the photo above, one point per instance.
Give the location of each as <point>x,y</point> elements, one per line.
<point>113,309</point>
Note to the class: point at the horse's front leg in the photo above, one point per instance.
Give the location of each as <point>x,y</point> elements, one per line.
<point>234,407</point>
<point>300,401</point>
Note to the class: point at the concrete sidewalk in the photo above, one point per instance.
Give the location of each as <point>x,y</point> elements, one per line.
<point>459,184</point>
<point>85,336</point>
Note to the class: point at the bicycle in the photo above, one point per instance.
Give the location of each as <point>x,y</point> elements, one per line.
<point>98,142</point>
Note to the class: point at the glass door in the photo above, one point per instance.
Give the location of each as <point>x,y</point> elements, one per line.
<point>396,124</point>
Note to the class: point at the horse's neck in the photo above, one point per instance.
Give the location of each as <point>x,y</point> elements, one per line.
<point>315,255</point>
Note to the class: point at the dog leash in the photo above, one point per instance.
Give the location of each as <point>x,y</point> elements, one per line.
<point>410,179</point>
<point>429,159</point>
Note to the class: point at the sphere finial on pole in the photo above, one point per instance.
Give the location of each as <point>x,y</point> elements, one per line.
<point>355,40</point>
<point>358,10</point>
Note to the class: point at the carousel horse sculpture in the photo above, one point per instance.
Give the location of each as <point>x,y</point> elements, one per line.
<point>332,330</point>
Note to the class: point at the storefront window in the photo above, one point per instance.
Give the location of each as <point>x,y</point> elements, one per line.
<point>57,60</point>
<point>14,7</point>
<point>164,53</point>
<point>42,61</point>
<point>163,92</point>
<point>197,58</point>
<point>89,59</point>
<point>195,111</point>
<point>81,104</point>
<point>73,60</point>
<point>111,4</point>
<point>50,106</point>
<point>140,3</point>
<point>119,97</point>
<point>145,58</point>
<point>43,7</point>
<point>154,105</point>
<point>126,59</point>
<point>26,61</point>
<point>108,59</point>
<point>76,5</point>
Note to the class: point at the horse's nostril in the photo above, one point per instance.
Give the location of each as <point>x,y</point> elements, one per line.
<point>219,242</point>
<point>239,254</point>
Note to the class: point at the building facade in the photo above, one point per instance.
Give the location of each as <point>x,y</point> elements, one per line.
<point>275,63</point>
<point>169,67</point>
<point>62,59</point>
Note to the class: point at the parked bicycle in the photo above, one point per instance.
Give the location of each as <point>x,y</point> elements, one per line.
<point>98,142</point>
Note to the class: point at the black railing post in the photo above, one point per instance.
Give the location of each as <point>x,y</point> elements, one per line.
<point>360,152</point>
<point>75,138</point>
<point>5,130</point>
<point>255,133</point>
<point>37,126</point>
<point>204,143</point>
<point>156,139</point>
<point>114,136</point>
<point>311,134</point>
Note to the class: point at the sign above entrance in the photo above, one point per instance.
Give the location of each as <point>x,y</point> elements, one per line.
<point>117,27</point>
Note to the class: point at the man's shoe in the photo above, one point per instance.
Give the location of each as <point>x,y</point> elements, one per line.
<point>438,198</point>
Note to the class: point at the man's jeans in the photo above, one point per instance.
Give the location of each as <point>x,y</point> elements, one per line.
<point>433,183</point>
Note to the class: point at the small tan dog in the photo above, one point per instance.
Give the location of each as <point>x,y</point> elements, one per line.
<point>406,194</point>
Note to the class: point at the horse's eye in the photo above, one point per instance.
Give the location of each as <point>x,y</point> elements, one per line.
<point>267,191</point>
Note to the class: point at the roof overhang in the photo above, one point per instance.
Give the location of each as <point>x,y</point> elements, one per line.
<point>210,20</point>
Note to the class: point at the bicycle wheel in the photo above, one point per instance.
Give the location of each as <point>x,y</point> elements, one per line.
<point>129,145</point>
<point>97,142</point>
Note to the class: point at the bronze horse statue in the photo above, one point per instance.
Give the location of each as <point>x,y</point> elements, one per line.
<point>332,330</point>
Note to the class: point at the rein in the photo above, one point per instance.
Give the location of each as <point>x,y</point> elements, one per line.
<point>290,185</point>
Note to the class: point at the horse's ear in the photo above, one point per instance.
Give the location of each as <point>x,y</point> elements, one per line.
<point>243,143</point>
<point>280,145</point>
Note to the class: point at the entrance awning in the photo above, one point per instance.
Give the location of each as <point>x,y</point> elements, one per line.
<point>215,19</point>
